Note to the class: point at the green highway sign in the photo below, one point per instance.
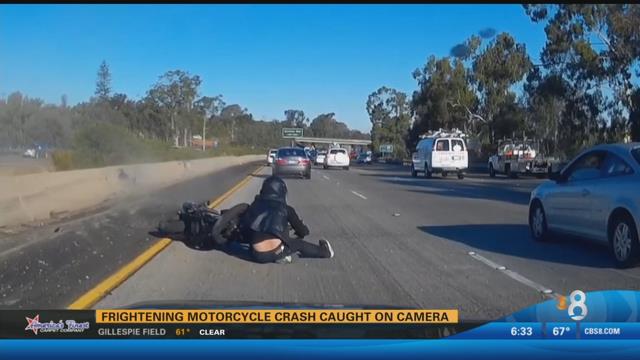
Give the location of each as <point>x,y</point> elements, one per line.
<point>386,148</point>
<point>291,132</point>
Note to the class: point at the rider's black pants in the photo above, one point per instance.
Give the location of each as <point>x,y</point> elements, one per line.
<point>290,247</point>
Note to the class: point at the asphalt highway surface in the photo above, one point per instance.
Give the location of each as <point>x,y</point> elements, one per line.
<point>49,266</point>
<point>435,243</point>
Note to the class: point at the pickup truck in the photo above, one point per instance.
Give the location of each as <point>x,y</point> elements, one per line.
<point>520,157</point>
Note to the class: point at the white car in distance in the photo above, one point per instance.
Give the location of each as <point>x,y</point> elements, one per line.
<point>320,156</point>
<point>337,157</point>
<point>271,155</point>
<point>30,153</point>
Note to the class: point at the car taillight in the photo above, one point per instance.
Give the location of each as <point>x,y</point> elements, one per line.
<point>282,162</point>
<point>304,161</point>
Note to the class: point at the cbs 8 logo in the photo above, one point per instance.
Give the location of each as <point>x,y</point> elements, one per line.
<point>577,299</point>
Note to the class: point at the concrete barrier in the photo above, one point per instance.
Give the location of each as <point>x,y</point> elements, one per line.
<point>41,196</point>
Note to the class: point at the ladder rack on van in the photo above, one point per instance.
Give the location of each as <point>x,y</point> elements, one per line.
<point>443,133</point>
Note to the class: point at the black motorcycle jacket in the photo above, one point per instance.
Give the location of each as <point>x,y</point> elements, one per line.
<point>269,214</point>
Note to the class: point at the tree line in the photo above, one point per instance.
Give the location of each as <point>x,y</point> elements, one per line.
<point>584,91</point>
<point>171,113</point>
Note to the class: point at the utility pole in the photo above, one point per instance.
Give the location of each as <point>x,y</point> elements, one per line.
<point>233,128</point>
<point>173,129</point>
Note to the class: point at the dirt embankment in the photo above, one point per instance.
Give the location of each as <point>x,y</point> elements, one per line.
<point>42,196</point>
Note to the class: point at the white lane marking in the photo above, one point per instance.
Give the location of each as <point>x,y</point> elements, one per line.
<point>359,195</point>
<point>326,177</point>
<point>514,275</point>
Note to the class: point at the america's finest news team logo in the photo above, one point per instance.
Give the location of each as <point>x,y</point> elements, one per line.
<point>67,326</point>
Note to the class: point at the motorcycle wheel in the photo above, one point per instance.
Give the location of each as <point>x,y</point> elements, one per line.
<point>224,220</point>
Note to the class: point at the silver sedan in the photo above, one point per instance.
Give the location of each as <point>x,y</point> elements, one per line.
<point>292,161</point>
<point>596,196</point>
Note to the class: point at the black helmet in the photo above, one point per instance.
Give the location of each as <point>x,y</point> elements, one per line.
<point>274,188</point>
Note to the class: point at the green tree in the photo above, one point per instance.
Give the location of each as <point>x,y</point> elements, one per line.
<point>593,45</point>
<point>390,117</point>
<point>16,116</point>
<point>150,120</point>
<point>25,120</point>
<point>326,126</point>
<point>546,99</point>
<point>103,83</point>
<point>296,118</point>
<point>48,125</point>
<point>236,120</point>
<point>445,98</point>
<point>208,107</point>
<point>496,69</point>
<point>175,93</point>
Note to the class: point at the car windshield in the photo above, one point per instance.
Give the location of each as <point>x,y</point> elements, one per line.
<point>338,151</point>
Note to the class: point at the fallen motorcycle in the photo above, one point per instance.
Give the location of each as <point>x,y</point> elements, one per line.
<point>203,226</point>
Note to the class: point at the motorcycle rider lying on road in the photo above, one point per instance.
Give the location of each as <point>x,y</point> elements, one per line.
<point>265,226</point>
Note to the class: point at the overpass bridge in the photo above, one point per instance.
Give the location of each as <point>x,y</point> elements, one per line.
<point>346,143</point>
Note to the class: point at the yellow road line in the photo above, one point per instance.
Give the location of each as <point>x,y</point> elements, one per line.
<point>107,285</point>
<point>101,290</point>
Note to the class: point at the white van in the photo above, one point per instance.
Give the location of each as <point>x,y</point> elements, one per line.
<point>440,154</point>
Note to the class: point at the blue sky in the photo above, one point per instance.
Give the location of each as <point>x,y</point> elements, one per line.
<point>268,58</point>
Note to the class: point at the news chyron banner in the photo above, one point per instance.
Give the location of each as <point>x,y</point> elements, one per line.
<point>231,323</point>
<point>579,316</point>
<point>274,316</point>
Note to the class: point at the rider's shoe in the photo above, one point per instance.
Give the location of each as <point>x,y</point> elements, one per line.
<point>327,247</point>
<point>285,260</point>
